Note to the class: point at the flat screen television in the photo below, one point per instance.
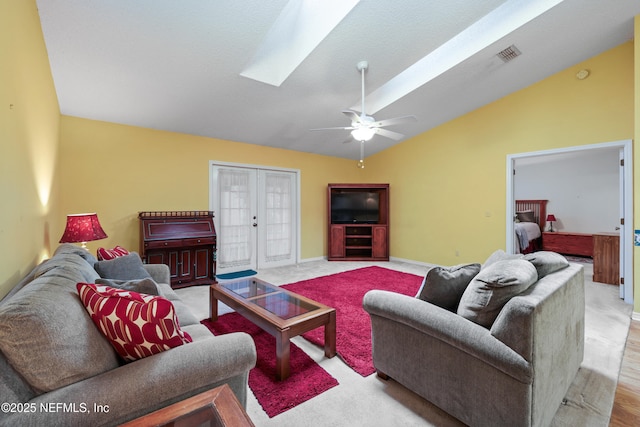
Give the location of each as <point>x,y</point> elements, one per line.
<point>355,207</point>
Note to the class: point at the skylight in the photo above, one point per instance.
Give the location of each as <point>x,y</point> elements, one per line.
<point>502,21</point>
<point>299,29</point>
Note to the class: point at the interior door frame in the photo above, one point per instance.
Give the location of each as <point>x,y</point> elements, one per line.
<point>627,195</point>
<point>296,172</point>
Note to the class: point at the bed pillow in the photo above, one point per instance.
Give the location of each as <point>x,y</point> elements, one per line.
<point>526,216</point>
<point>126,267</point>
<point>136,325</point>
<point>546,262</point>
<point>493,287</point>
<point>443,286</point>
<point>107,254</point>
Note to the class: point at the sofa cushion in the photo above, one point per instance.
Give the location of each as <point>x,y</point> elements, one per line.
<point>68,266</point>
<point>126,267</point>
<point>137,325</point>
<point>71,249</point>
<point>443,286</point>
<point>13,388</point>
<point>493,287</point>
<point>107,254</point>
<point>546,262</point>
<point>500,255</point>
<point>143,286</point>
<point>182,310</point>
<point>46,322</point>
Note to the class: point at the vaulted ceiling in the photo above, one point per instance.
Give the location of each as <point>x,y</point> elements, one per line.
<point>266,72</point>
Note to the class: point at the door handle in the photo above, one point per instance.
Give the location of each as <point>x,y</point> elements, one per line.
<point>255,223</point>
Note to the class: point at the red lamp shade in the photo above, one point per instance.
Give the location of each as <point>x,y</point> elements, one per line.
<point>82,228</point>
<point>551,217</point>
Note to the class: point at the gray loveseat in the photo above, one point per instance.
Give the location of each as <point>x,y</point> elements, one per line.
<point>514,373</point>
<point>57,369</point>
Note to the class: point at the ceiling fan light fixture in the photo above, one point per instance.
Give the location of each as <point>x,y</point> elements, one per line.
<point>363,133</point>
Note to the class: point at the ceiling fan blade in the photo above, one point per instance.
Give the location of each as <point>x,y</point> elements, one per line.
<point>389,134</point>
<point>355,117</point>
<point>335,128</point>
<point>395,121</point>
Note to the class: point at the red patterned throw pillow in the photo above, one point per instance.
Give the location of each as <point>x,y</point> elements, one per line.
<point>107,254</point>
<point>137,325</point>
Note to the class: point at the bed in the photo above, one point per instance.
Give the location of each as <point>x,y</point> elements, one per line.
<point>530,221</point>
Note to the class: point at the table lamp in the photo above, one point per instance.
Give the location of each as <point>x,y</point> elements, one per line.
<point>82,228</point>
<point>551,218</point>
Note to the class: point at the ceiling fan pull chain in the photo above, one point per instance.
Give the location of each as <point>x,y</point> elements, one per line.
<point>361,161</point>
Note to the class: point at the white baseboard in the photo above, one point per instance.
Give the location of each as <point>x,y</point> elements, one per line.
<point>635,316</point>
<point>408,261</point>
<point>411,261</point>
<point>320,258</point>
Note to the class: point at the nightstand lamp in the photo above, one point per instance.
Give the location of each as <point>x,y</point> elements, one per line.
<point>82,228</point>
<point>551,218</point>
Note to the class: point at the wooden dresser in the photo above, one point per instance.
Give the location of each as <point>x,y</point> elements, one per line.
<point>568,243</point>
<point>606,258</point>
<point>183,240</point>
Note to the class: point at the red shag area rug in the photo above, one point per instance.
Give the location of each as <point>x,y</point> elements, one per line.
<point>344,292</point>
<point>307,378</point>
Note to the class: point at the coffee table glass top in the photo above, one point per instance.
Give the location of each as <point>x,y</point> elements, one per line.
<point>269,297</point>
<point>248,288</point>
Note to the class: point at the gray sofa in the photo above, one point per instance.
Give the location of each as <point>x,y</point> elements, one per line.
<point>57,369</point>
<point>514,373</point>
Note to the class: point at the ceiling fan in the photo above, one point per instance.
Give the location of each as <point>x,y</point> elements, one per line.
<point>364,127</point>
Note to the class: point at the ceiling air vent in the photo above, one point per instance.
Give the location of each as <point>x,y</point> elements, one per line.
<point>509,53</point>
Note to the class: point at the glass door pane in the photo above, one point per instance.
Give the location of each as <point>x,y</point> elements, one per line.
<point>236,210</point>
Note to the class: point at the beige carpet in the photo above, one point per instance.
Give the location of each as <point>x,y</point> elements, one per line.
<point>369,401</point>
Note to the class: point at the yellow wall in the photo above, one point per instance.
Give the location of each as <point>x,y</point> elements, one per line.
<point>448,185</point>
<point>118,170</point>
<point>29,132</point>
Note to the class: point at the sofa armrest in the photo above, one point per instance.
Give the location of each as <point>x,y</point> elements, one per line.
<point>148,384</point>
<point>448,328</point>
<point>159,272</point>
<point>552,310</point>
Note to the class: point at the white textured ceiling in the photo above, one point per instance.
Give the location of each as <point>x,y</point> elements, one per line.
<point>176,65</point>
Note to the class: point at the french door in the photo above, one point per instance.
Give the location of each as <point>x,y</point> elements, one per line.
<point>256,216</point>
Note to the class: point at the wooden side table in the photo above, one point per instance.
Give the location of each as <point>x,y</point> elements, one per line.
<point>568,243</point>
<point>217,407</point>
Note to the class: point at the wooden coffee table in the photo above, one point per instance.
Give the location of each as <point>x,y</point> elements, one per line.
<point>279,312</point>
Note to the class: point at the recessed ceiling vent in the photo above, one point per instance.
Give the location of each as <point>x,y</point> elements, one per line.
<point>509,53</point>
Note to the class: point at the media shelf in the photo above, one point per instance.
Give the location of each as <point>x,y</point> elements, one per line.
<point>358,222</point>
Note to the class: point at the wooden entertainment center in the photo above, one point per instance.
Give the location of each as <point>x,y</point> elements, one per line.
<point>358,218</point>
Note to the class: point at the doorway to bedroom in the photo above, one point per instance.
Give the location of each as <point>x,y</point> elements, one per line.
<point>589,190</point>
